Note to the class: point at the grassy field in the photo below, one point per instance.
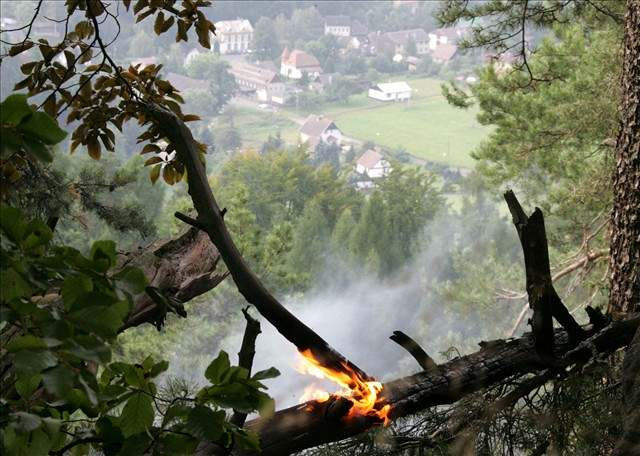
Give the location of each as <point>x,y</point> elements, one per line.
<point>255,126</point>
<point>427,127</point>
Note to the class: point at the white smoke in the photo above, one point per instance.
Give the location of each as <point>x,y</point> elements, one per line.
<point>356,312</point>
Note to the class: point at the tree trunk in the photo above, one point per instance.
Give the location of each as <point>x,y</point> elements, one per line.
<point>311,424</point>
<point>625,223</point>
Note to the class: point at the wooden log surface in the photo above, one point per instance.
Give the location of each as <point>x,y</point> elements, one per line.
<point>308,425</point>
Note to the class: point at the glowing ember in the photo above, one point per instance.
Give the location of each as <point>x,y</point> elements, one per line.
<point>364,395</point>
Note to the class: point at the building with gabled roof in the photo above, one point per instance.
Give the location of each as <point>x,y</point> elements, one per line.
<point>444,52</point>
<point>373,165</point>
<point>264,82</point>
<point>296,63</point>
<point>390,91</point>
<point>339,25</point>
<point>234,37</point>
<point>316,129</point>
<point>446,35</point>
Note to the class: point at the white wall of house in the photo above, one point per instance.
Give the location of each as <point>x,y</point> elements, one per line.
<point>335,30</point>
<point>435,40</point>
<point>380,169</point>
<point>293,72</point>
<point>333,132</point>
<point>235,43</point>
<point>389,96</point>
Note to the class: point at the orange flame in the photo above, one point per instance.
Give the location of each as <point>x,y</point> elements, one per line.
<point>365,396</point>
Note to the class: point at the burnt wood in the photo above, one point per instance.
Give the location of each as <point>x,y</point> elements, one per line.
<point>306,425</point>
<point>424,360</point>
<point>543,298</point>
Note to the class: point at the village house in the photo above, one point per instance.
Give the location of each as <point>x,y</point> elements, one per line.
<point>317,129</point>
<point>337,25</point>
<point>402,38</point>
<point>265,83</point>
<point>412,63</point>
<point>373,165</point>
<point>184,83</point>
<point>444,53</point>
<point>234,37</point>
<point>390,91</point>
<point>296,63</point>
<point>446,35</point>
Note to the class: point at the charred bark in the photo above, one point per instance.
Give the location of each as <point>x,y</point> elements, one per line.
<point>543,298</point>
<point>422,357</point>
<point>210,220</point>
<point>310,424</point>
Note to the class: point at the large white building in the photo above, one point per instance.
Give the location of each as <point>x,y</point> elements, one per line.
<point>390,91</point>
<point>234,37</point>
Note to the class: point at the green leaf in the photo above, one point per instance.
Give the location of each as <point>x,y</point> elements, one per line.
<point>31,362</point>
<point>218,368</point>
<point>104,253</point>
<point>37,234</point>
<point>206,424</point>
<point>90,348</point>
<point>14,109</point>
<point>178,444</point>
<point>133,279</point>
<point>272,372</point>
<point>176,411</point>
<point>73,287</point>
<point>58,381</point>
<point>26,342</point>
<point>38,149</point>
<point>103,320</point>
<point>247,440</point>
<point>13,286</point>
<point>12,223</point>
<point>137,414</point>
<point>26,385</point>
<point>43,127</point>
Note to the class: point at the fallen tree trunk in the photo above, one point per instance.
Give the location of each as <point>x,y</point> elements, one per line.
<point>312,423</point>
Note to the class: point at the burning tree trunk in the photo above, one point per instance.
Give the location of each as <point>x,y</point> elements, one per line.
<point>313,423</point>
<point>625,222</point>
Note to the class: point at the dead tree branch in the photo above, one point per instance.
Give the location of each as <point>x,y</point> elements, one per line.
<point>181,269</point>
<point>543,299</point>
<point>246,354</point>
<point>210,219</point>
<point>424,360</point>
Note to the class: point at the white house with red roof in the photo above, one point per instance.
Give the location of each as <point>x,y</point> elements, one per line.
<point>373,165</point>
<point>316,129</point>
<point>295,63</point>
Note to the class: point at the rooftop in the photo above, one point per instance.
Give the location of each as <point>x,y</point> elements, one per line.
<point>315,125</point>
<point>369,159</point>
<point>444,52</point>
<point>183,83</point>
<point>337,21</point>
<point>299,59</point>
<point>402,36</point>
<point>234,26</point>
<point>393,87</point>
